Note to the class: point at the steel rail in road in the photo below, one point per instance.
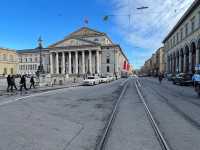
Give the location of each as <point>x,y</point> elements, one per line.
<point>163,143</point>
<point>108,126</point>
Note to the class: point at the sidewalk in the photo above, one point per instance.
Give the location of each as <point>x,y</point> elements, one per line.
<point>67,84</point>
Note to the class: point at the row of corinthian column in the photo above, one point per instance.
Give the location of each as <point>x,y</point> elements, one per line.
<point>76,62</point>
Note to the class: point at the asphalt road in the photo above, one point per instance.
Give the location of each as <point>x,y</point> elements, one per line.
<point>65,119</point>
<point>177,112</point>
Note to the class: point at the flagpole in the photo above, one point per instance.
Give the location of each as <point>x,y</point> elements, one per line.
<point>86,21</point>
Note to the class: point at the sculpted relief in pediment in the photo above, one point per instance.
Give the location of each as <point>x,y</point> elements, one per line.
<point>72,42</point>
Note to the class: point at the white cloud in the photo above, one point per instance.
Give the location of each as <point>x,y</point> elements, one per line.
<point>148,27</point>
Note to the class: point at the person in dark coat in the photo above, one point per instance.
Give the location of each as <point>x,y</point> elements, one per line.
<point>23,83</point>
<point>12,79</point>
<point>8,83</point>
<point>160,77</point>
<point>32,82</point>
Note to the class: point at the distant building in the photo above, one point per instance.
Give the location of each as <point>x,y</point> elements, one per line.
<point>29,61</point>
<point>83,52</point>
<point>8,61</point>
<point>182,44</point>
<point>87,51</point>
<point>156,64</point>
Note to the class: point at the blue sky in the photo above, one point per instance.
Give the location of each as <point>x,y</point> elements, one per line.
<point>23,21</point>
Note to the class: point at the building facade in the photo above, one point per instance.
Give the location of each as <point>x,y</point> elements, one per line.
<point>29,61</point>
<point>156,64</point>
<point>182,44</point>
<point>87,51</point>
<point>8,61</point>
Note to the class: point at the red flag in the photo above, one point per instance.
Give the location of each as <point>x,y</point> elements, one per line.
<point>124,65</point>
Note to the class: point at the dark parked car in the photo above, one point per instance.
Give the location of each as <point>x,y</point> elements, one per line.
<point>170,77</point>
<point>183,79</point>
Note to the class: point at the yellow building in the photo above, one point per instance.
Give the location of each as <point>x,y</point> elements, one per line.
<point>8,61</point>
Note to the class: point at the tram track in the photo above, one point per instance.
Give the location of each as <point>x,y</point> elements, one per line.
<point>188,118</point>
<point>178,94</point>
<point>159,135</point>
<point>110,122</point>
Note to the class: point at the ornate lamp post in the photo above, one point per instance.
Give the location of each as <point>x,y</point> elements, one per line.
<point>40,67</point>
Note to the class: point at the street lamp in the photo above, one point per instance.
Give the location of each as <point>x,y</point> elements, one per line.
<point>40,67</point>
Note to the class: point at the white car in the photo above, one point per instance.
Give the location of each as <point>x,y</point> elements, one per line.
<point>91,80</point>
<point>111,78</point>
<point>104,79</point>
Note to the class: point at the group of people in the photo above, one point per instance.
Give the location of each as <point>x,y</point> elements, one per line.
<point>11,83</point>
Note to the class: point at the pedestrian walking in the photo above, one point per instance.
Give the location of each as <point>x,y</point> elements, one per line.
<point>13,83</point>
<point>32,81</point>
<point>23,83</point>
<point>8,83</point>
<point>160,78</point>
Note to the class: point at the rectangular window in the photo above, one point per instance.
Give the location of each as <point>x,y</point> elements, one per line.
<point>107,60</point>
<point>186,29</point>
<point>11,71</point>
<point>174,41</point>
<point>4,57</point>
<point>5,71</point>
<point>108,69</point>
<point>193,24</point>
<point>171,43</point>
<point>199,18</point>
<point>181,32</point>
<point>177,37</point>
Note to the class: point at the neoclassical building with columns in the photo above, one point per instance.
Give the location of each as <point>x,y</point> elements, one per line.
<point>182,44</point>
<point>87,51</point>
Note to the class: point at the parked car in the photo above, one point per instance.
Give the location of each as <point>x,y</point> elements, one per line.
<point>104,79</point>
<point>183,79</point>
<point>111,78</point>
<point>170,77</point>
<point>91,80</point>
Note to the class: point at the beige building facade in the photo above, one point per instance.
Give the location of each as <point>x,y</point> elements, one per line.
<point>8,61</point>
<point>87,51</point>
<point>156,64</point>
<point>29,61</point>
<point>182,44</point>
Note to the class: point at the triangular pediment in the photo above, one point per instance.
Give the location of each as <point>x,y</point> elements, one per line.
<point>84,36</point>
<point>73,42</point>
<point>86,32</point>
